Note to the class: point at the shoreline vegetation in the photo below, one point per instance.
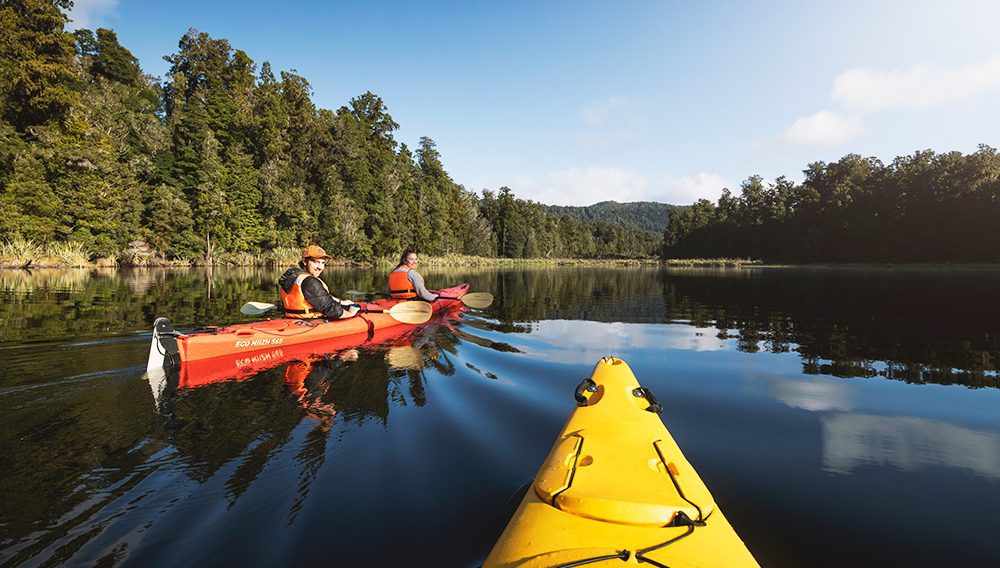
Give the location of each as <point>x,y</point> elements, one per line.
<point>19,254</point>
<point>24,254</point>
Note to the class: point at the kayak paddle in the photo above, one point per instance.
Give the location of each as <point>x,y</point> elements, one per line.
<point>476,300</point>
<point>405,312</point>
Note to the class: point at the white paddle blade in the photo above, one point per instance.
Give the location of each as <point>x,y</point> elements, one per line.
<point>412,312</point>
<point>256,308</point>
<point>477,300</point>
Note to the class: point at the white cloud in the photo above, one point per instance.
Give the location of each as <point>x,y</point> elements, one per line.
<point>586,186</point>
<point>687,190</point>
<point>920,86</point>
<point>824,128</point>
<point>89,13</point>
<point>862,90</point>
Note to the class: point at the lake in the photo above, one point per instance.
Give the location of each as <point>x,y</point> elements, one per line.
<point>840,416</point>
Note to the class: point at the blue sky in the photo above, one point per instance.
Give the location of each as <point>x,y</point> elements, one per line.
<point>575,102</point>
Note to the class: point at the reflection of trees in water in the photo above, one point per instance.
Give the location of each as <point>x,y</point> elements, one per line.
<point>59,303</point>
<point>916,326</point>
<point>592,293</point>
<point>370,387</point>
<point>67,455</point>
<point>68,303</point>
<point>923,327</point>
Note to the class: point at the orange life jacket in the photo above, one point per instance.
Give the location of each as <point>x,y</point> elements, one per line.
<point>295,302</point>
<point>400,285</point>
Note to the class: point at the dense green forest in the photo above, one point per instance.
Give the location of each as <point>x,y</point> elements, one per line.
<point>643,215</point>
<point>925,207</point>
<point>225,157</point>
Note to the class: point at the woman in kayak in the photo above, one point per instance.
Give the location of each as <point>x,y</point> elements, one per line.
<point>406,283</point>
<point>305,295</point>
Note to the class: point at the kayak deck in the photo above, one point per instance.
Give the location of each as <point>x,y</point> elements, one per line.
<point>616,487</point>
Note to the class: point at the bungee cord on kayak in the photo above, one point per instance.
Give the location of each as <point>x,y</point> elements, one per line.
<point>615,480</point>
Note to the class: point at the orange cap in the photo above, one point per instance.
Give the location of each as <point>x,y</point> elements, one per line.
<point>315,251</point>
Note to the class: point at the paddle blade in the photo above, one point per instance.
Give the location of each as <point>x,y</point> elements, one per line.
<point>477,300</point>
<point>411,312</point>
<point>405,357</point>
<point>256,308</point>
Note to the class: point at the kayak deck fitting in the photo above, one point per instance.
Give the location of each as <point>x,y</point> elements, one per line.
<point>616,488</point>
<point>170,348</point>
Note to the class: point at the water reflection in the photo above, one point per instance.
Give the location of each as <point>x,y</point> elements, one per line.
<point>248,410</point>
<point>571,342</point>
<point>852,441</point>
<point>814,394</point>
<point>933,326</point>
<point>286,451</point>
<point>930,326</point>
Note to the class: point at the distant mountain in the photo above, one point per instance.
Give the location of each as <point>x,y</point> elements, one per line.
<point>642,215</point>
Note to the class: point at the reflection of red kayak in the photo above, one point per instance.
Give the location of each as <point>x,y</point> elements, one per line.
<point>259,338</point>
<point>239,366</point>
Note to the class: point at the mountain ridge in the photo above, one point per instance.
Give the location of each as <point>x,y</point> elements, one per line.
<point>650,216</point>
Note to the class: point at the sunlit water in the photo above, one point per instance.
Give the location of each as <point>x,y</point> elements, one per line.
<point>840,417</point>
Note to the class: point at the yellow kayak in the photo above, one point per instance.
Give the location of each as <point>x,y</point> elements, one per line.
<point>616,489</point>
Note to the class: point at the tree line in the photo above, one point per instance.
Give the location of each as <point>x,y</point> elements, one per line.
<point>644,215</point>
<point>924,207</point>
<point>225,156</point>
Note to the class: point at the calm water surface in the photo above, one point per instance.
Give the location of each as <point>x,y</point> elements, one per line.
<point>840,417</point>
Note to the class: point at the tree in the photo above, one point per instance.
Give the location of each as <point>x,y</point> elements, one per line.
<point>38,83</point>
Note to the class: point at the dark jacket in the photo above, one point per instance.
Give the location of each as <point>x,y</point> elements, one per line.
<point>315,293</point>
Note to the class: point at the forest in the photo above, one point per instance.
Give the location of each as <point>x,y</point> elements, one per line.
<point>644,215</point>
<point>925,207</point>
<point>226,159</point>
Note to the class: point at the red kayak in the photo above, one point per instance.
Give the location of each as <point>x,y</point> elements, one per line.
<point>240,366</point>
<point>170,347</point>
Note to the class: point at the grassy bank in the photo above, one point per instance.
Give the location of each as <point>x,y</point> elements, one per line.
<point>19,253</point>
<point>466,260</point>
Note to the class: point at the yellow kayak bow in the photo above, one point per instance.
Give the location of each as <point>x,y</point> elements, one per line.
<point>616,489</point>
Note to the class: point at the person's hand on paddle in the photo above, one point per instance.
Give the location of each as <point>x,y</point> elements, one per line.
<point>351,309</point>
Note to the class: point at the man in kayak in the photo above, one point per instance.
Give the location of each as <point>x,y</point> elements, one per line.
<point>405,282</point>
<point>305,295</point>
